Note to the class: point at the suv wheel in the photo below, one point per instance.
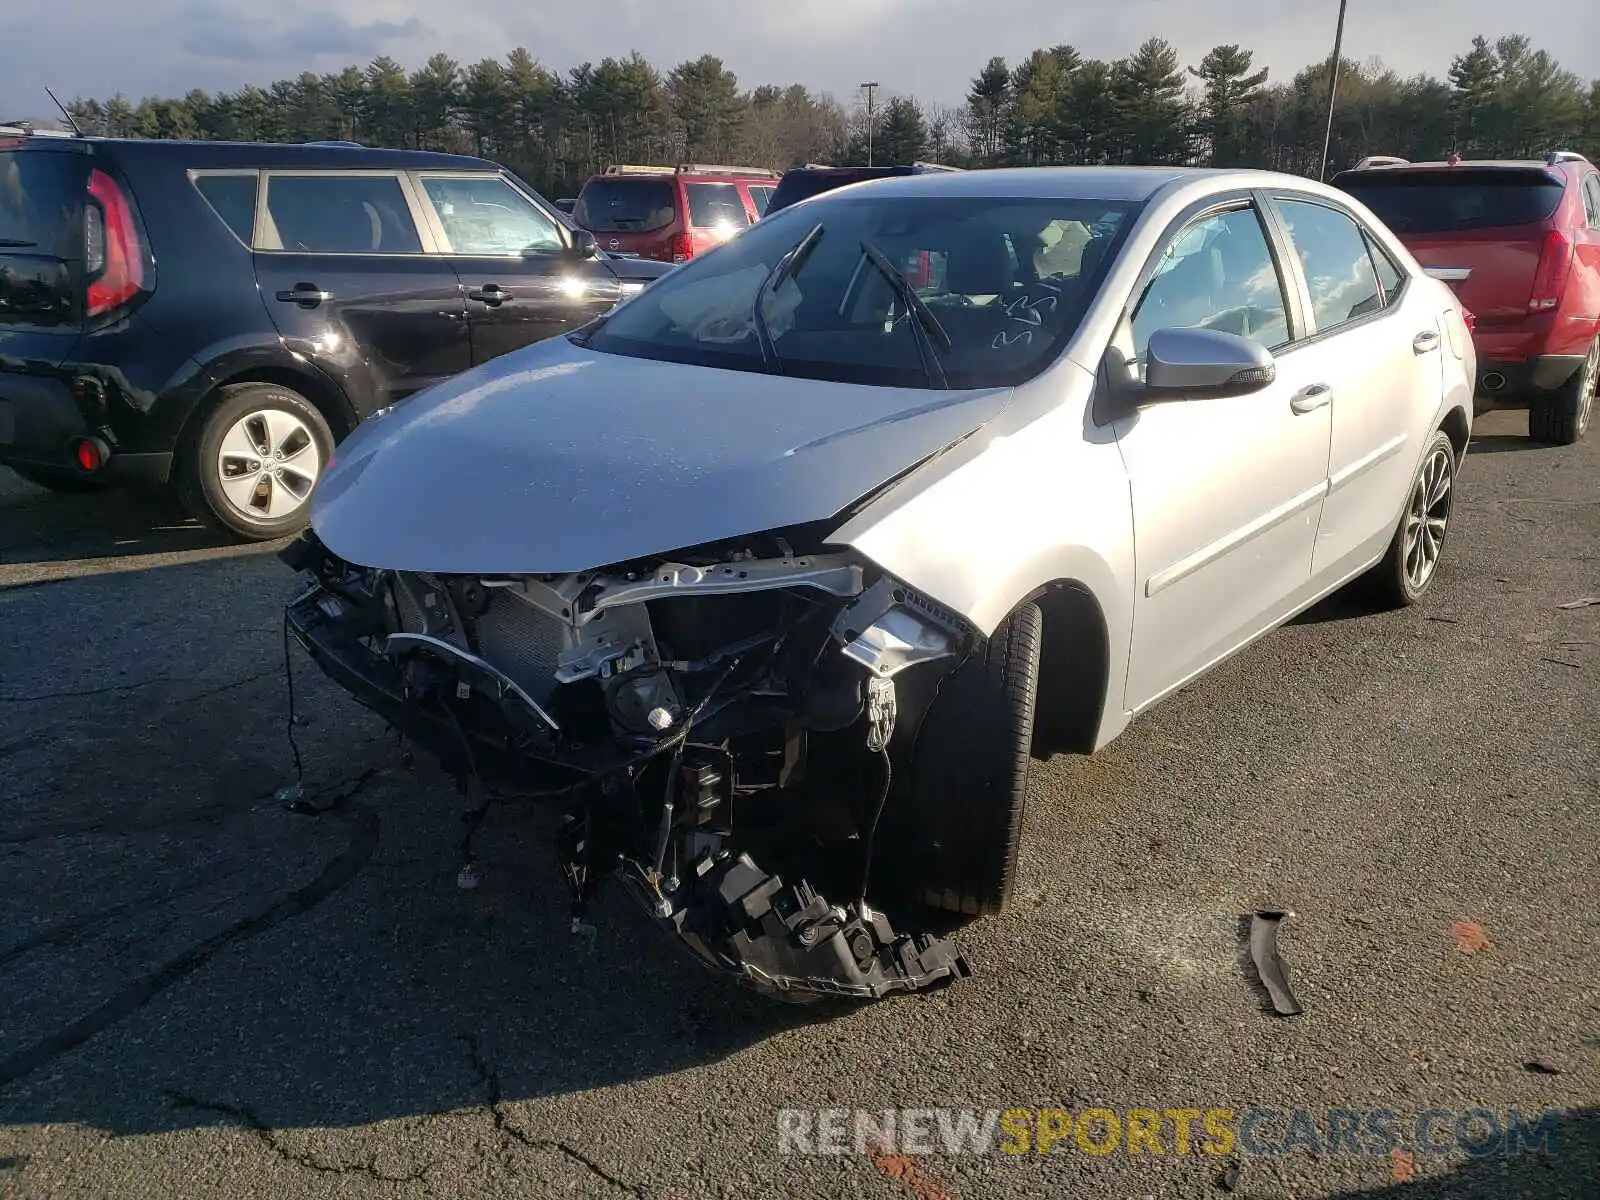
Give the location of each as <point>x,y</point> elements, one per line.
<point>1408,570</point>
<point>1562,417</point>
<point>251,469</point>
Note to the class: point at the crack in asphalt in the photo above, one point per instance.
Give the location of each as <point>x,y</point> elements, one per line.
<point>494,1103</point>
<point>124,688</point>
<point>246,1118</point>
<point>344,867</point>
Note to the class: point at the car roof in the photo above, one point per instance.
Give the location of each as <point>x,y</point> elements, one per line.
<point>1088,183</point>
<point>273,154</point>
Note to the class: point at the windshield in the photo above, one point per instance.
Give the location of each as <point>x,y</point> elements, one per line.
<point>994,274</point>
<point>1459,199</point>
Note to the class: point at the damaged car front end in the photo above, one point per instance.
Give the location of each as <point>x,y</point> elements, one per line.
<point>702,722</point>
<point>613,573</point>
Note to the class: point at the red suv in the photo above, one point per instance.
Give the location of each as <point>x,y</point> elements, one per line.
<point>1520,243</point>
<point>671,213</point>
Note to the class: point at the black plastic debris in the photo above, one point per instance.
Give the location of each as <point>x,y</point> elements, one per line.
<point>1269,966</point>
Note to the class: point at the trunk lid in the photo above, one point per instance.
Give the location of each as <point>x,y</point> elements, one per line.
<point>631,215</point>
<point>42,250</point>
<point>1480,228</point>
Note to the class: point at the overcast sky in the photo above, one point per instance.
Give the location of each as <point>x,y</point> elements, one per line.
<point>926,48</point>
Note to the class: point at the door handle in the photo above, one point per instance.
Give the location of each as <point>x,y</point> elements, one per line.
<point>490,294</point>
<point>1427,340</point>
<point>306,295</point>
<point>1309,399</point>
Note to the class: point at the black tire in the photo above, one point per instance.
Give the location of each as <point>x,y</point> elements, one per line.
<point>63,480</point>
<point>1394,581</point>
<point>955,842</point>
<point>1562,417</point>
<point>198,472</point>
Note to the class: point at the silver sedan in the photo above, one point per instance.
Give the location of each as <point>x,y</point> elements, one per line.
<point>774,578</point>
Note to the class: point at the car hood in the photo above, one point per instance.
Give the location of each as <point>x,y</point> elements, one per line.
<point>557,459</point>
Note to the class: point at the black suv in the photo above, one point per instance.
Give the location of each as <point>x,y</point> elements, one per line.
<point>218,315</point>
<point>801,183</point>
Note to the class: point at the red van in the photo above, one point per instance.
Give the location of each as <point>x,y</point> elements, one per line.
<point>1520,243</point>
<point>671,213</point>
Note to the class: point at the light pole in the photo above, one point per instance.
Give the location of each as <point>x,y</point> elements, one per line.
<point>870,88</point>
<point>1333,87</point>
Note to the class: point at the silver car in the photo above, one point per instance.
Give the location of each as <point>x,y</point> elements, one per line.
<point>774,579</point>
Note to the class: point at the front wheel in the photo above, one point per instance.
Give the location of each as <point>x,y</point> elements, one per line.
<point>256,458</point>
<point>1408,569</point>
<point>1562,417</point>
<point>957,832</point>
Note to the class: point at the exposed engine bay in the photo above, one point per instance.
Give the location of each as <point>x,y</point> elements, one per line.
<point>702,722</point>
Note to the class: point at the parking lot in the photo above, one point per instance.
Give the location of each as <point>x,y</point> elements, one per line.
<point>206,995</point>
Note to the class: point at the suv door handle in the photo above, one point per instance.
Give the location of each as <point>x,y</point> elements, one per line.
<point>1309,399</point>
<point>1427,340</point>
<point>306,295</point>
<point>490,294</point>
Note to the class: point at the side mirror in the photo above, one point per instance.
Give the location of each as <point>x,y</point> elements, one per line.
<point>584,244</point>
<point>1204,362</point>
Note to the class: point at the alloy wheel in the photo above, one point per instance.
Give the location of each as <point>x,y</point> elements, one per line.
<point>267,464</point>
<point>1427,517</point>
<point>1587,387</point>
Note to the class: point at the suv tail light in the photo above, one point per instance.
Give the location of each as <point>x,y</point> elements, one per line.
<point>1467,319</point>
<point>1550,279</point>
<point>682,247</point>
<point>112,249</point>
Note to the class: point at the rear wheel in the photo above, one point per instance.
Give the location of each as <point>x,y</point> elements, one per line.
<point>251,468</point>
<point>1562,417</point>
<point>1407,571</point>
<point>956,835</point>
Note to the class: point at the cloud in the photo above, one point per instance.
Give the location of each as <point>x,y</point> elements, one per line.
<point>210,34</point>
<point>926,48</point>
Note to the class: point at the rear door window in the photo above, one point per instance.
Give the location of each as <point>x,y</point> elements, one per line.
<point>761,196</point>
<point>1455,200</point>
<point>339,214</point>
<point>714,205</point>
<point>41,200</point>
<point>626,205</point>
<point>1338,268</point>
<point>232,196</point>
<point>1389,275</point>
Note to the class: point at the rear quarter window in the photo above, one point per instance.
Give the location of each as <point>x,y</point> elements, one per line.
<point>1456,200</point>
<point>714,204</point>
<point>626,205</point>
<point>233,199</point>
<point>41,201</point>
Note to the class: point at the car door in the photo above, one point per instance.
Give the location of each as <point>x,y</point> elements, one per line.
<point>1226,491</point>
<point>519,277</point>
<point>1381,345</point>
<point>342,270</point>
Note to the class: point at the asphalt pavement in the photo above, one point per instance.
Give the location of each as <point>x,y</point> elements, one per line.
<point>203,995</point>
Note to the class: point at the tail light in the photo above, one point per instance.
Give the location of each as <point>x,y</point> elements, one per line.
<point>1467,319</point>
<point>112,249</point>
<point>1550,279</point>
<point>682,247</point>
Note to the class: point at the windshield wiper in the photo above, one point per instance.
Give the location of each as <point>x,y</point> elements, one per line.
<point>16,243</point>
<point>924,325</point>
<point>786,267</point>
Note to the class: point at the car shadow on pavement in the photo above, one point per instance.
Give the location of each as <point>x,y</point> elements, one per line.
<point>1505,443</point>
<point>39,527</point>
<point>1570,1168</point>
